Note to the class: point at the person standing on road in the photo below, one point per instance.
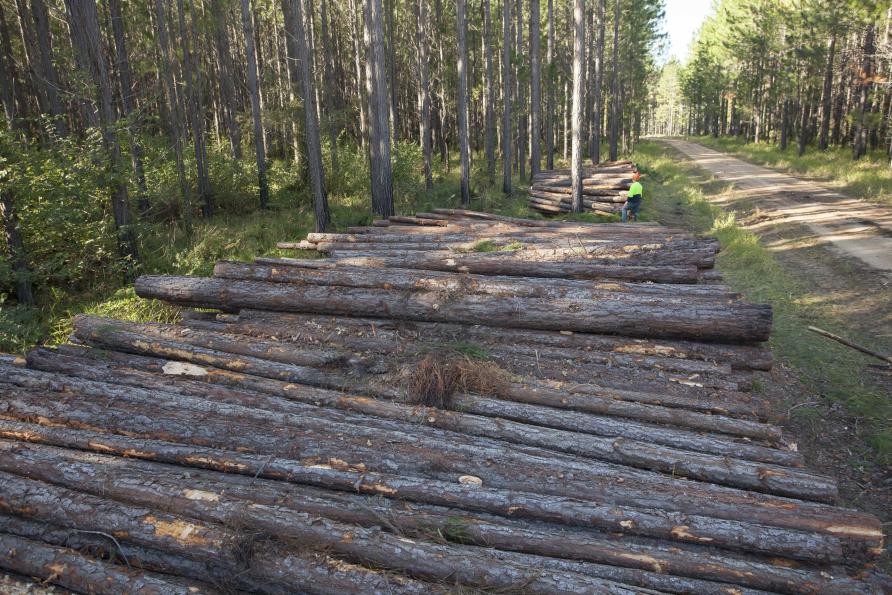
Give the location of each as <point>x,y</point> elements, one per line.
<point>633,202</point>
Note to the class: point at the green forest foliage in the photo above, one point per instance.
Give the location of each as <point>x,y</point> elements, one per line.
<point>809,73</point>
<point>60,170</point>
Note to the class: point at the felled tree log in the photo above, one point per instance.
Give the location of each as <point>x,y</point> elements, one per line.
<point>463,565</point>
<point>139,557</point>
<point>699,257</point>
<point>464,420</point>
<point>717,469</point>
<point>92,473</point>
<point>340,476</point>
<point>109,479</point>
<point>72,570</point>
<point>385,450</point>
<point>742,357</point>
<point>189,537</point>
<point>734,322</point>
<point>414,280</point>
<point>484,264</point>
<point>126,337</point>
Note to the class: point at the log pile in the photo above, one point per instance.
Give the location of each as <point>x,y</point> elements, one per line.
<point>593,432</point>
<point>604,189</point>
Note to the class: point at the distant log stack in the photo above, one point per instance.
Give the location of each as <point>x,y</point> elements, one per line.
<point>604,189</point>
<point>452,401</point>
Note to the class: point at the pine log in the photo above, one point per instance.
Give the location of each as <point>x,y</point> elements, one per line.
<point>419,221</point>
<point>742,357</point>
<point>734,322</point>
<point>413,280</point>
<point>466,420</point>
<point>189,538</point>
<point>483,264</point>
<point>462,565</point>
<point>717,469</point>
<point>108,478</point>
<point>16,584</point>
<point>553,474</point>
<point>69,569</point>
<point>102,334</point>
<point>93,473</point>
<point>677,558</point>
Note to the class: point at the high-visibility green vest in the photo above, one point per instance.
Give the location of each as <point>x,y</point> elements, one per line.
<point>635,189</point>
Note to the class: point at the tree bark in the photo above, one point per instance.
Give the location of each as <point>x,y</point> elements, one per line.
<point>9,83</point>
<point>299,68</point>
<point>489,94</point>
<point>462,102</point>
<point>549,91</point>
<point>49,78</point>
<point>578,107</point>
<point>535,91</point>
<point>127,99</point>
<point>72,570</point>
<point>598,67</point>
<point>228,96</point>
<point>614,86</point>
<point>379,112</point>
<point>506,97</point>
<point>254,92</point>
<point>734,322</point>
<point>631,558</point>
<point>177,130</point>
<point>865,83</point>
<point>827,93</point>
<point>422,43</point>
<point>86,37</point>
<point>487,265</point>
<point>194,105</point>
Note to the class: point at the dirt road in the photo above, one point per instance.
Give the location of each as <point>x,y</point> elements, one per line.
<point>852,227</point>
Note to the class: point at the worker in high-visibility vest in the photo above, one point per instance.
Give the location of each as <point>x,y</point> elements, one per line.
<point>633,202</point>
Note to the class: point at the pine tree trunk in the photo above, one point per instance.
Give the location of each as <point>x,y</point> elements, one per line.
<point>576,118</point>
<point>50,79</point>
<point>83,22</point>
<point>462,101</point>
<point>126,82</point>
<point>827,92</point>
<point>254,92</point>
<point>549,91</point>
<point>379,111</point>
<point>535,91</point>
<point>520,94</point>
<point>294,11</point>
<point>9,84</point>
<point>614,87</point>
<point>390,45</point>
<point>862,130</point>
<point>506,97</point>
<point>331,99</point>
<point>595,148</point>
<point>422,41</point>
<point>227,85</point>
<point>196,117</point>
<point>489,94</point>
<point>361,98</point>
<point>176,127</point>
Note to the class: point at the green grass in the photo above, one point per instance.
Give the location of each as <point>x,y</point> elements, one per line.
<point>241,232</point>
<point>869,178</point>
<point>469,349</point>
<point>678,189</point>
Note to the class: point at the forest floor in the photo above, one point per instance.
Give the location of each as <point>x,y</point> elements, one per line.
<point>831,399</point>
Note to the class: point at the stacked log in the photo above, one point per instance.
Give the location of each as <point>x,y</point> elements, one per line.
<point>604,189</point>
<point>600,437</point>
